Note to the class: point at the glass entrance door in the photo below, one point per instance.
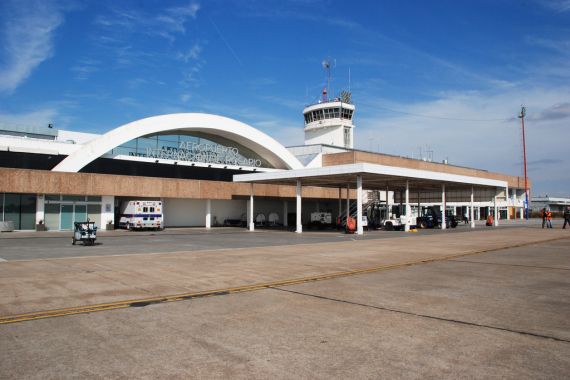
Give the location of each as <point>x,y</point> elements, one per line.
<point>66,218</point>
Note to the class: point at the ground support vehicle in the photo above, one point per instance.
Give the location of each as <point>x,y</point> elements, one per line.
<point>85,232</point>
<point>320,220</point>
<point>397,223</point>
<point>431,218</point>
<point>139,215</point>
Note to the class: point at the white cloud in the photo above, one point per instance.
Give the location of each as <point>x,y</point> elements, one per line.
<point>41,117</point>
<point>27,38</point>
<point>191,54</point>
<point>174,18</point>
<point>166,24</point>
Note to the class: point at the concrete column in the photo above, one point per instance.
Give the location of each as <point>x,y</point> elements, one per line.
<point>208,213</point>
<point>285,212</point>
<point>108,210</point>
<point>407,225</point>
<point>419,204</point>
<point>507,197</point>
<point>347,201</point>
<point>251,215</point>
<point>40,209</point>
<point>340,202</point>
<point>495,210</point>
<point>472,212</point>
<point>443,207</point>
<point>359,229</point>
<point>387,203</point>
<point>299,224</point>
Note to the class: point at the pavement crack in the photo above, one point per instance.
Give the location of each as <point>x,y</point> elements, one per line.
<point>542,336</point>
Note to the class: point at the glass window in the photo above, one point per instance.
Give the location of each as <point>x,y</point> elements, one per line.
<point>146,142</point>
<point>123,150</point>
<point>28,212</point>
<point>1,207</point>
<point>346,136</point>
<point>53,197</point>
<point>73,198</point>
<point>145,209</point>
<point>129,144</point>
<point>93,198</point>
<point>20,209</point>
<point>12,209</point>
<point>52,216</point>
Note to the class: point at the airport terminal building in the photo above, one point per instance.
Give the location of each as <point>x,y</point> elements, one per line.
<point>210,170</point>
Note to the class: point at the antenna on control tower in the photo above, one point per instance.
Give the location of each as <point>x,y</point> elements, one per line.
<point>327,66</point>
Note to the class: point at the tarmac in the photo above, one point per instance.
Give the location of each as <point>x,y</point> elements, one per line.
<point>452,304</point>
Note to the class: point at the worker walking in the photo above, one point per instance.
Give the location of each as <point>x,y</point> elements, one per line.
<point>566,217</point>
<point>549,219</point>
<point>543,214</point>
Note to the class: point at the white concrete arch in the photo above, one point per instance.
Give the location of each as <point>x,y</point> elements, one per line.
<point>243,134</point>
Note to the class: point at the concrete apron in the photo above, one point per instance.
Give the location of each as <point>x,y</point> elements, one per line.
<point>37,285</point>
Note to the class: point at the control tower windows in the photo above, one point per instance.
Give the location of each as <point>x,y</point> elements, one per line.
<point>346,114</point>
<point>318,115</point>
<point>332,113</point>
<point>347,137</point>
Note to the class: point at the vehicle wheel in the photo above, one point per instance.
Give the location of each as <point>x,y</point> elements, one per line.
<point>73,241</point>
<point>389,227</point>
<point>423,225</point>
<point>453,224</point>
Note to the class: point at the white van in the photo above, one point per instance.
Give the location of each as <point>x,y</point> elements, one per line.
<point>141,215</point>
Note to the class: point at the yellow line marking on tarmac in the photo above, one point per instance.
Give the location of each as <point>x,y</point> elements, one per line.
<point>240,289</point>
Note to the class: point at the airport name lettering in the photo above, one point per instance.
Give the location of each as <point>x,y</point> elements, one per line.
<point>206,153</point>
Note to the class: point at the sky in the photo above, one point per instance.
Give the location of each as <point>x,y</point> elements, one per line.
<point>437,78</point>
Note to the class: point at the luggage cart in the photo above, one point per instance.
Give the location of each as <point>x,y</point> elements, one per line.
<point>85,232</point>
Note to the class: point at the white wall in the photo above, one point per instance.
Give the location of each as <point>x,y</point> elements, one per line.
<point>333,135</point>
<point>184,212</point>
<point>107,210</point>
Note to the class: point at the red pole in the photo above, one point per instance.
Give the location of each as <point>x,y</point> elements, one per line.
<point>523,114</point>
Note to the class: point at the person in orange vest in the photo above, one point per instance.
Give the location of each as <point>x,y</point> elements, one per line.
<point>549,218</point>
<point>490,220</point>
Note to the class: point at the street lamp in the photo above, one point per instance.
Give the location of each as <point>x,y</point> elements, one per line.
<point>521,116</point>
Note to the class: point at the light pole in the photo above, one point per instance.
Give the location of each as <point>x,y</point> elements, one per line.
<point>521,116</point>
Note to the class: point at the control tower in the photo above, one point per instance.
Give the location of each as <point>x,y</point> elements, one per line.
<point>329,122</point>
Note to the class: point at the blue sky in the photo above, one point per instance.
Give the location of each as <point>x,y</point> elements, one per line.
<point>441,76</point>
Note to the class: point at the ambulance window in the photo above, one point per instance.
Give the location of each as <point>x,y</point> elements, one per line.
<point>152,218</point>
<point>145,218</point>
<point>152,209</point>
<point>145,209</point>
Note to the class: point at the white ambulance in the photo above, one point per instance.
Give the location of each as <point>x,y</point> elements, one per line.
<point>141,215</point>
